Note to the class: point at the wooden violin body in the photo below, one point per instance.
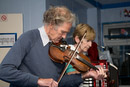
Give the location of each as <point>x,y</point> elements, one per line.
<point>63,54</point>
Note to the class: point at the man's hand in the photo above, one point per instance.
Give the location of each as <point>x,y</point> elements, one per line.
<point>98,74</point>
<point>47,82</point>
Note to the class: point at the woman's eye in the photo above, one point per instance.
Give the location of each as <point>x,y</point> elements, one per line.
<point>87,40</point>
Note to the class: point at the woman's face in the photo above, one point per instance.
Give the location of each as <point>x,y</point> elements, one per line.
<point>85,45</point>
<point>59,32</point>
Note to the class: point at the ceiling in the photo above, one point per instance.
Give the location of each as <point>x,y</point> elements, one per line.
<point>105,4</point>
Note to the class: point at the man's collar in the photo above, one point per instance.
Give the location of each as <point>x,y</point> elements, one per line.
<point>44,36</point>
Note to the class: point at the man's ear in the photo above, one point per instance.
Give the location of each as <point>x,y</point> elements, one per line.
<point>51,26</point>
<point>77,39</point>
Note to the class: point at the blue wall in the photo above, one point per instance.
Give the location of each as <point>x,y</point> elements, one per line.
<point>32,11</point>
<point>74,6</point>
<point>93,19</point>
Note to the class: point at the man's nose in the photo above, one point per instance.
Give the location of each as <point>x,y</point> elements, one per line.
<point>64,36</point>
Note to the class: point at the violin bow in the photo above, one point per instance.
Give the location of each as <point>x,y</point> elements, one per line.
<point>63,72</point>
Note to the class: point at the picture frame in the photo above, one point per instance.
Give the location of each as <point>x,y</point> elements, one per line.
<point>7,39</point>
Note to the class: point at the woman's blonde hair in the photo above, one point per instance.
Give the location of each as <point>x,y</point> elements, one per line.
<point>81,29</point>
<point>58,15</point>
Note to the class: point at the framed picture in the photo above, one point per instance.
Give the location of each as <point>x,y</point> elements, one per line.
<point>7,39</point>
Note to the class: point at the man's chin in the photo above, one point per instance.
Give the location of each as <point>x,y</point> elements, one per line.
<point>56,41</point>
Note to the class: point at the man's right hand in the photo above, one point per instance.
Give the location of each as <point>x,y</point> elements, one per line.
<point>47,82</point>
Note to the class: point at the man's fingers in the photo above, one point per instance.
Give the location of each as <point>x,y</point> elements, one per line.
<point>54,84</point>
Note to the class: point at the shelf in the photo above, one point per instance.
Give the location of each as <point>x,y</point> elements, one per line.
<point>117,36</point>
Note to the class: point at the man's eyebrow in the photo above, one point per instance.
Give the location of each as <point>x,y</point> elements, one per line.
<point>64,31</point>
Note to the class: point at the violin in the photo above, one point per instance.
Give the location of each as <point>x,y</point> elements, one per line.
<point>59,53</point>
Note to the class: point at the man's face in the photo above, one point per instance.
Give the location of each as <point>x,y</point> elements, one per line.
<point>59,32</point>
